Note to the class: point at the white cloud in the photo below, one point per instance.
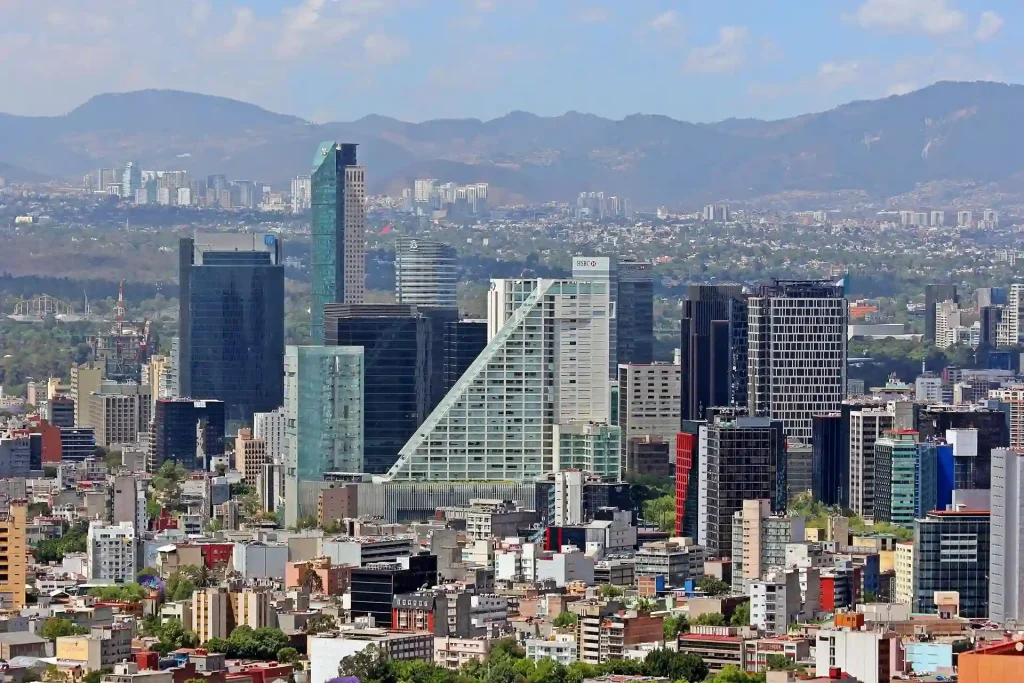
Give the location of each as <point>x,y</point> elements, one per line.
<point>931,17</point>
<point>593,15</point>
<point>900,89</point>
<point>384,50</point>
<point>723,56</point>
<point>988,26</point>
<point>302,20</point>
<point>664,22</point>
<point>241,30</point>
<point>836,75</point>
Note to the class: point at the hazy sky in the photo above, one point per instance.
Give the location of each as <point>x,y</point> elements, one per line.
<point>420,59</point>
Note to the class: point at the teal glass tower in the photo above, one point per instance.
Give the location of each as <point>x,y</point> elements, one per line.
<point>337,231</point>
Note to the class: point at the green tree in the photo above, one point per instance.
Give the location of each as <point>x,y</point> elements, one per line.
<point>129,592</point>
<point>675,624</point>
<point>608,590</point>
<point>217,645</point>
<point>311,581</point>
<point>733,674</point>
<point>712,586</point>
<point>39,509</point>
<point>662,512</point>
<point>741,615</point>
<point>566,619</point>
<point>645,604</point>
<point>173,636</point>
<point>321,623</point>
<point>709,619</point>
<point>287,655</point>
<point>371,665</point>
<point>199,575</point>
<point>55,627</point>
<point>780,663</point>
<point>674,665</point>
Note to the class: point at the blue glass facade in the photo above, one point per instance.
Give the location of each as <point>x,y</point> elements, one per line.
<point>934,477</point>
<point>177,426</point>
<point>231,322</point>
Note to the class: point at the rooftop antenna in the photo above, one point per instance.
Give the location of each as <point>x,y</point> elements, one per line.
<point>120,302</point>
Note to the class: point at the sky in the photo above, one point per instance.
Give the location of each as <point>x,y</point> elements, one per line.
<point>338,60</point>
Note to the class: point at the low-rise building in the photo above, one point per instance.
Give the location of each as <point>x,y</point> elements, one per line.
<point>360,551</point>
<point>325,650</point>
<point>678,560</point>
<point>718,646</point>
<point>486,518</point>
<point>869,656</point>
<point>101,649</point>
<point>561,648</point>
<point>452,653</point>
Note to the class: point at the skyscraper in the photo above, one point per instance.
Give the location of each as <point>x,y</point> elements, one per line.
<point>186,431</point>
<point>829,465</point>
<point>867,426</point>
<point>713,349</point>
<point>972,458</point>
<point>951,553</point>
<point>131,180</point>
<point>797,352</point>
<point>464,340</point>
<point>231,322</point>
<point>635,311</point>
<point>426,273</point>
<point>403,357</point>
<point>546,365</point>
<point>323,417</point>
<point>1006,598</point>
<point>935,294</point>
<point>337,231</point>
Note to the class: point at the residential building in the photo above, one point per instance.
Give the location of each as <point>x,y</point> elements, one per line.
<point>211,613</point>
<point>520,439</point>
<point>187,431</point>
<point>13,549</point>
<point>1006,599</point>
<point>1013,396</point>
<point>797,352</point>
<point>491,518</point>
<point>718,646</point>
<point>337,502</point>
<point>868,656</point>
<point>324,428</point>
<point>231,322</point>
<point>867,425</point>
<point>334,578</point>
<point>252,608</point>
<point>327,649</point>
<point>935,294</point>
<point>1010,331</point>
<point>118,412</point>
<point>903,563</point>
<point>605,630</point>
<point>759,541</point>
<point>649,401</point>
<point>426,272</point>
<point>250,455</point>
<point>451,653</point>
<point>896,478</point>
<point>270,428</point>
<point>565,568</point>
<point>745,460</point>
<point>112,552</point>
<point>1001,661</point>
<point>951,553</point>
<point>99,650</point>
<point>678,560</point>
<point>85,380</point>
<point>403,362</point>
<point>635,311</point>
<point>775,601</point>
<point>338,231</point>
<point>561,648</point>
<point>258,560</point>
<point>713,355</point>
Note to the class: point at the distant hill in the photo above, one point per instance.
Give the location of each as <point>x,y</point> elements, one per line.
<point>948,131</point>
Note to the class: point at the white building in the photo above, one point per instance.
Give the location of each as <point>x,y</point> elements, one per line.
<point>562,649</point>
<point>112,553</point>
<point>903,562</point>
<point>301,187</point>
<point>270,428</point>
<point>858,653</point>
<point>565,567</point>
<point>256,560</point>
<point>866,426</point>
<point>1014,397</point>
<point>775,600</point>
<point>1006,599</point>
<point>1010,331</point>
<point>360,551</point>
<point>546,365</point>
<point>928,388</point>
<point>649,402</point>
<point>797,353</point>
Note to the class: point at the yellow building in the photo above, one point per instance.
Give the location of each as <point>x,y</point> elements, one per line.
<point>211,612</point>
<point>251,608</point>
<point>903,592</point>
<point>85,380</point>
<point>250,455</point>
<point>12,555</point>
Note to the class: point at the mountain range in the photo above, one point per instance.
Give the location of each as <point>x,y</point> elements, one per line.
<point>957,131</point>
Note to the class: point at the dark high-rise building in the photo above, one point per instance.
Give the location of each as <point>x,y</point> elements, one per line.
<point>746,460</point>
<point>829,460</point>
<point>635,312</point>
<point>337,231</point>
<point>687,478</point>
<point>60,411</point>
<point>374,587</point>
<point>971,470</point>
<point>187,431</point>
<point>989,318</point>
<point>951,553</point>
<point>463,342</point>
<point>935,294</point>
<point>713,349</point>
<point>231,322</point>
<point>77,443</point>
<point>403,356</point>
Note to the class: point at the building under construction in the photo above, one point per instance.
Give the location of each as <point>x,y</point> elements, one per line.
<point>126,347</point>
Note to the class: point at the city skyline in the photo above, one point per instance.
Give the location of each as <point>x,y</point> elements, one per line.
<point>757,61</point>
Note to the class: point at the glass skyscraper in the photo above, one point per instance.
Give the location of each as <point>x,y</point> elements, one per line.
<point>713,349</point>
<point>231,322</point>
<point>464,340</point>
<point>635,321</point>
<point>951,553</point>
<point>426,273</point>
<point>186,431</point>
<point>323,418</point>
<point>337,231</point>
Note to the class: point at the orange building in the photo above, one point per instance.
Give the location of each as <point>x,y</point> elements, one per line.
<point>851,620</point>
<point>334,578</point>
<point>999,662</point>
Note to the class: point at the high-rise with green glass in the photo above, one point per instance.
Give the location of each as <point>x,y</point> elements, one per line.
<point>337,231</point>
<point>323,418</point>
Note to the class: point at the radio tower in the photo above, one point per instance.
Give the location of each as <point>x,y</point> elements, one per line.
<point>120,305</point>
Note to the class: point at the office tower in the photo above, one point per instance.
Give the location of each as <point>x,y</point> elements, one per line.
<point>323,420</point>
<point>867,425</point>
<point>689,454</point>
<point>85,379</point>
<point>797,352</point>
<point>338,231</point>
<point>546,364</point>
<point>895,456</point>
<point>649,401</point>
<point>426,273</point>
<point>589,268</point>
<point>759,541</point>
<point>403,370</point>
<point>989,318</point>
<point>799,470</point>
<point>590,447</point>
<point>1013,397</point>
<point>131,180</point>
<point>1006,599</point>
<point>713,349</point>
<point>464,340</point>
<point>424,189</point>
<point>951,553</point>
<point>76,444</point>
<point>971,458</point>
<point>13,552</point>
<point>935,294</point>
<point>745,461</point>
<point>118,412</point>
<point>270,428</point>
<point>111,552</point>
<point>186,431</point>
<point>250,455</point>
<point>829,464</point>
<point>231,322</point>
<point>374,587</point>
<point>301,185</point>
<point>635,311</point>
<point>934,476</point>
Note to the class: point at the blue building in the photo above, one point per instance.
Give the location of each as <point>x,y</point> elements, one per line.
<point>928,658</point>
<point>933,477</point>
